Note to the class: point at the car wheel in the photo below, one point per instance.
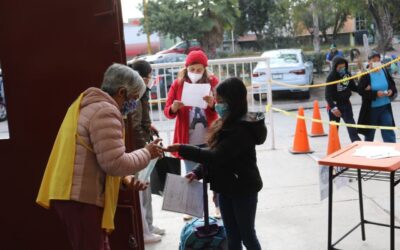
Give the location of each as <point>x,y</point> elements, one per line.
<point>3,112</point>
<point>262,97</point>
<point>304,94</point>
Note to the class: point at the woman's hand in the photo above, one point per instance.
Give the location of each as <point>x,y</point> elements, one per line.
<point>191,177</point>
<point>155,150</point>
<point>131,182</point>
<point>176,106</point>
<point>380,94</point>
<point>209,100</point>
<point>389,92</point>
<point>172,148</point>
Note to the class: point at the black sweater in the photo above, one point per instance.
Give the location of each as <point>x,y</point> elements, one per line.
<point>232,163</point>
<point>339,94</point>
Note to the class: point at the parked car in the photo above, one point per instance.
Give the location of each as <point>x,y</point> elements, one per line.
<point>287,66</point>
<point>162,77</point>
<point>182,48</point>
<point>3,111</point>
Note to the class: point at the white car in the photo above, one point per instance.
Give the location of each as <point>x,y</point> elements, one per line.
<point>287,66</point>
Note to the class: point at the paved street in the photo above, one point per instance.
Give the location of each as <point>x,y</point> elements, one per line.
<point>290,214</point>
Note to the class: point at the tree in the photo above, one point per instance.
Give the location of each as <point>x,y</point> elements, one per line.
<point>384,13</point>
<point>203,20</point>
<point>254,16</point>
<point>172,18</point>
<point>331,15</point>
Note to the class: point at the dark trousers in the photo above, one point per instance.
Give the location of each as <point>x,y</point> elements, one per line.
<point>381,116</point>
<point>238,215</point>
<point>347,116</point>
<point>83,224</point>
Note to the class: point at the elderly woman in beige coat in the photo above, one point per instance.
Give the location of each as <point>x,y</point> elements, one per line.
<point>99,157</point>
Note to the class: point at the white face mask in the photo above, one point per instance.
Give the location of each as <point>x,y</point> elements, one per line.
<point>194,77</point>
<point>376,64</point>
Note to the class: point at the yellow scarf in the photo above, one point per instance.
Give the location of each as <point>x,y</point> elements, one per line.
<point>57,179</point>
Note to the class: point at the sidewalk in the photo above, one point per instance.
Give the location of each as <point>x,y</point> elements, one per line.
<point>290,214</point>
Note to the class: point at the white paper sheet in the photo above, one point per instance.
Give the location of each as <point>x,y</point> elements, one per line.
<point>192,94</point>
<point>376,152</point>
<point>183,197</point>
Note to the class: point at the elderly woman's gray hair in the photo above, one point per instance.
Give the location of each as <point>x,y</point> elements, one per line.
<point>119,75</point>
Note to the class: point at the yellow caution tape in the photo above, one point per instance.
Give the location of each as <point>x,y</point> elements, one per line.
<point>287,113</point>
<point>338,81</point>
<point>268,108</point>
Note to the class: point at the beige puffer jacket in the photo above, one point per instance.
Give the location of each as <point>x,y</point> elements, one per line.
<point>100,148</point>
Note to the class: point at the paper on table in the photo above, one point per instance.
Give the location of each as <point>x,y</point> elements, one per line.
<point>376,152</point>
<point>192,94</point>
<point>183,197</point>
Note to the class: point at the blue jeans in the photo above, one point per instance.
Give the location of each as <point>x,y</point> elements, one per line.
<point>381,116</point>
<point>238,215</point>
<point>347,116</point>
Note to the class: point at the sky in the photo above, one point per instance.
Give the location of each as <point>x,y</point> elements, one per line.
<point>130,9</point>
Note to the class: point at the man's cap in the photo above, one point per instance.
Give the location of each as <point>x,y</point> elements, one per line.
<point>373,54</point>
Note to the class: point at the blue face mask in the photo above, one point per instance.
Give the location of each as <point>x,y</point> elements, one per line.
<point>342,72</point>
<point>221,109</point>
<point>128,107</point>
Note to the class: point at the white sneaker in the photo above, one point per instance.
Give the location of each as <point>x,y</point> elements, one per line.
<point>157,230</point>
<point>152,238</point>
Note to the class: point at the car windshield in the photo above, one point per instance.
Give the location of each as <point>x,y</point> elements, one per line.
<point>283,58</point>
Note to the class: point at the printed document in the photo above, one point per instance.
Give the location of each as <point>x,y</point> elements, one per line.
<point>192,94</point>
<point>183,197</point>
<point>376,152</point>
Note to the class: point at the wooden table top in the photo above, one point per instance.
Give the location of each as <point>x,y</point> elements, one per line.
<point>345,158</point>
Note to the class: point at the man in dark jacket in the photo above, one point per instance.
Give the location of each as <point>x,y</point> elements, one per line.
<point>338,95</point>
<point>143,130</point>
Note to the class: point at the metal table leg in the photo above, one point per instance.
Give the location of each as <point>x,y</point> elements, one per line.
<point>360,197</point>
<point>392,212</point>
<point>330,208</point>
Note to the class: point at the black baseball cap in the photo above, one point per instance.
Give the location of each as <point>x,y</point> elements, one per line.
<point>373,54</point>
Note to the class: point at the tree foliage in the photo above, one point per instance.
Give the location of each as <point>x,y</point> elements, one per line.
<point>204,20</point>
<point>385,15</point>
<point>331,15</point>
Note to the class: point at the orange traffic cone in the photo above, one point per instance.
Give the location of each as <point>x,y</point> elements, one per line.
<point>316,128</point>
<point>300,143</point>
<point>333,140</point>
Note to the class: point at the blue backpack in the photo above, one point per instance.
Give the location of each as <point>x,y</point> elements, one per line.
<point>203,234</point>
<point>192,237</point>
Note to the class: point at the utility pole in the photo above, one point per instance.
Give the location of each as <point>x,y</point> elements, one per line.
<point>316,41</point>
<point>146,27</point>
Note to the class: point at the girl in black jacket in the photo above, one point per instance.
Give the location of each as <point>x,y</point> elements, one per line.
<point>232,163</point>
<point>338,96</point>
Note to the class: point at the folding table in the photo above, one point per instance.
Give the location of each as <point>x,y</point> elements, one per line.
<point>343,164</point>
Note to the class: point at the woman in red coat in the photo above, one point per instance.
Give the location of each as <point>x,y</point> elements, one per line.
<point>192,123</point>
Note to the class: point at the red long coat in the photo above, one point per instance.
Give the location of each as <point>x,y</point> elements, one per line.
<point>181,134</point>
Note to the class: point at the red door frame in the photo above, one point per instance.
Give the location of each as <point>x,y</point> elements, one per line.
<point>50,51</point>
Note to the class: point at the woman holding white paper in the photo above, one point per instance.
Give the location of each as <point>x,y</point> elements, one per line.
<point>192,123</point>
